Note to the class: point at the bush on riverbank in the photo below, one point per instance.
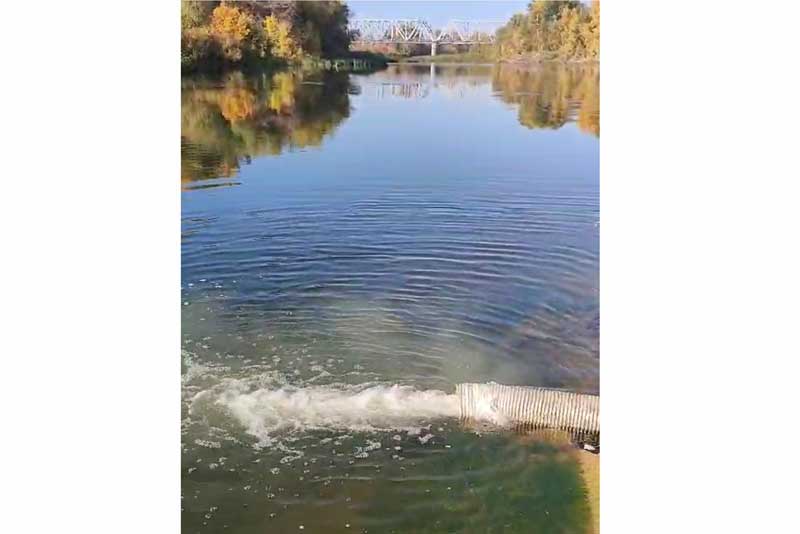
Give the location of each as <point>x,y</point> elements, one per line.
<point>220,35</point>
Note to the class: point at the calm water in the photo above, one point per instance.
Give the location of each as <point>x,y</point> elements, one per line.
<point>342,234</point>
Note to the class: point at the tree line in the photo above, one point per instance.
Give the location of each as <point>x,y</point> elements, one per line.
<point>548,30</point>
<point>219,35</point>
<point>552,30</point>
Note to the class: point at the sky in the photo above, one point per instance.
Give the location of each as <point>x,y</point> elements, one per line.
<point>437,11</point>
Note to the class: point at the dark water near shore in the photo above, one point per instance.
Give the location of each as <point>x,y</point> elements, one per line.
<point>345,233</point>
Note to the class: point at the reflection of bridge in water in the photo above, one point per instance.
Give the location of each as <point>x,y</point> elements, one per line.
<point>418,81</point>
<point>417,31</point>
<point>403,90</point>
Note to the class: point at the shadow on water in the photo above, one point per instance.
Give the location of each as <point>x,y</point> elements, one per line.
<point>231,120</point>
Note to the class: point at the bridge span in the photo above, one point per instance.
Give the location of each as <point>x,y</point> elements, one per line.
<point>418,31</point>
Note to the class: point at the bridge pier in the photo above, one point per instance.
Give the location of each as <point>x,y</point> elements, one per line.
<point>433,48</point>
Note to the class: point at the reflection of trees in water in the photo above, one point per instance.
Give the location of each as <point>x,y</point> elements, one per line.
<point>223,123</point>
<point>551,95</point>
<point>548,95</point>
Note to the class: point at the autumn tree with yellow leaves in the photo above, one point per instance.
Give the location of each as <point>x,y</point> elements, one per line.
<point>231,27</point>
<point>229,22</point>
<point>216,35</point>
<point>568,30</point>
<point>281,42</point>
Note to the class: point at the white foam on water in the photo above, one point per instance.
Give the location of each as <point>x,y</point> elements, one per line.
<point>265,412</point>
<point>266,406</point>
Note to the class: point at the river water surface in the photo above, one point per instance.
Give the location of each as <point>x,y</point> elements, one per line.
<point>354,246</point>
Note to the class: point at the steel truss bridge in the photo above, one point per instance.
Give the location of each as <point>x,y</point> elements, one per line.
<point>417,31</point>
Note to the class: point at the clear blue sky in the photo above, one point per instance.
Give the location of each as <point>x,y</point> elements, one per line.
<point>437,11</point>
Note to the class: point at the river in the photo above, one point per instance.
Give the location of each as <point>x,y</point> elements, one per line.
<point>354,246</point>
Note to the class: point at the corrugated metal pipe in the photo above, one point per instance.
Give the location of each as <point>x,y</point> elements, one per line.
<point>530,407</point>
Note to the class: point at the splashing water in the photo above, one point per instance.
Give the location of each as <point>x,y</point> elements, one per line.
<point>276,412</point>
<point>265,412</point>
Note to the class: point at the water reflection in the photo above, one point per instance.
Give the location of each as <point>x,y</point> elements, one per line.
<point>549,96</point>
<point>230,121</point>
<point>225,122</point>
<point>412,81</point>
<point>412,90</point>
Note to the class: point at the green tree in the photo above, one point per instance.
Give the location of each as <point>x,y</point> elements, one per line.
<point>327,22</point>
<point>195,14</point>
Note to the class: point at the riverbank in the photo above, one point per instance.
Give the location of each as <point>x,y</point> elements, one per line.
<point>479,59</point>
<point>447,58</point>
<point>353,62</point>
<point>590,470</point>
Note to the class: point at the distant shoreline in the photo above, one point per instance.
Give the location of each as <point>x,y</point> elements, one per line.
<point>465,59</point>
